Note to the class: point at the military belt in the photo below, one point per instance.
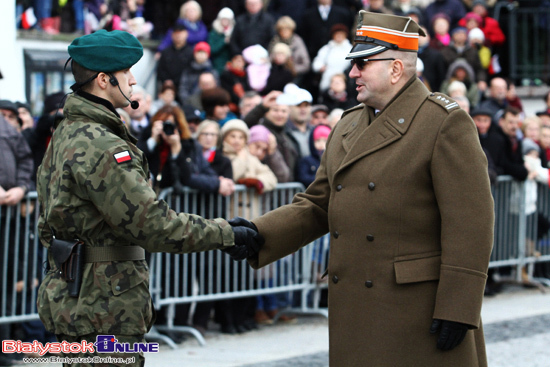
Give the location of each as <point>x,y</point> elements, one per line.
<point>117,253</point>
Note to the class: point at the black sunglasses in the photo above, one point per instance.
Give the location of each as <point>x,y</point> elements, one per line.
<point>362,62</point>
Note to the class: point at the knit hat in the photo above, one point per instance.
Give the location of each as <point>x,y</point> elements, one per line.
<point>474,16</point>
<point>259,133</point>
<point>202,46</point>
<point>8,105</point>
<point>476,33</point>
<point>235,124</point>
<point>226,13</point>
<point>52,102</point>
<point>528,145</point>
<point>459,29</point>
<point>321,131</point>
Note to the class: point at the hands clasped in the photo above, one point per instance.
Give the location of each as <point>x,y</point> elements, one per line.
<point>247,239</point>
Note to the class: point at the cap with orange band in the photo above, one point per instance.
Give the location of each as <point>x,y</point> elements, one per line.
<point>380,32</point>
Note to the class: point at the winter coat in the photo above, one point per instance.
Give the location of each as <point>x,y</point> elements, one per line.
<point>189,81</point>
<point>470,54</point>
<point>333,57</point>
<point>173,62</point>
<point>17,165</point>
<point>189,167</point>
<point>279,76</point>
<point>307,167</point>
<point>251,30</point>
<point>250,167</point>
<point>316,32</point>
<point>411,238</point>
<point>196,32</point>
<point>220,52</point>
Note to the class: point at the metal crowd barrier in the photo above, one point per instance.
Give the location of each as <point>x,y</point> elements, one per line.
<point>208,276</point>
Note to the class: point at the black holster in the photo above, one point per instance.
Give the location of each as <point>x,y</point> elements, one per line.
<point>68,257</point>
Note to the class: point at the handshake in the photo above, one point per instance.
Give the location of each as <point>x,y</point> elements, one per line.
<point>247,239</point>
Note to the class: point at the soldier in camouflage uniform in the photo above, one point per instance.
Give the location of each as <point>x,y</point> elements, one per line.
<point>93,186</point>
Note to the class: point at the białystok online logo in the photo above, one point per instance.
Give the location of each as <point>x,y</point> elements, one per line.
<point>103,344</point>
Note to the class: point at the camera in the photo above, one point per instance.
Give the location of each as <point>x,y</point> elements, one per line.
<point>168,127</point>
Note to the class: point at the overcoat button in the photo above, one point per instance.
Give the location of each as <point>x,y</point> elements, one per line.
<point>368,284</point>
<point>401,121</point>
<point>117,287</point>
<point>339,188</point>
<point>336,234</point>
<point>335,279</point>
<point>371,186</point>
<point>370,237</point>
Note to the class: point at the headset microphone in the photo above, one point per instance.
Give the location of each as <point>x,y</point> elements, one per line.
<point>114,81</point>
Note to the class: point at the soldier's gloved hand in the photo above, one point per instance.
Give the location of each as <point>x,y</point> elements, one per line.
<point>247,239</point>
<point>451,333</point>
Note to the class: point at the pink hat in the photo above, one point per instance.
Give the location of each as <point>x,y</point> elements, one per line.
<point>321,131</point>
<point>258,133</point>
<point>202,46</point>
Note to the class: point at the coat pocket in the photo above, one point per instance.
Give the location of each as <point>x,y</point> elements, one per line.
<point>128,279</point>
<point>417,268</point>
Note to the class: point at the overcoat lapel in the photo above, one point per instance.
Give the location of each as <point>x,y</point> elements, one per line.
<point>389,126</point>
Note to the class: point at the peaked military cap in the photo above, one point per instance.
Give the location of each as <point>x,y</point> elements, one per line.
<point>106,51</point>
<point>377,33</point>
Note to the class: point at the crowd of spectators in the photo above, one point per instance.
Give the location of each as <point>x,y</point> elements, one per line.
<point>248,93</point>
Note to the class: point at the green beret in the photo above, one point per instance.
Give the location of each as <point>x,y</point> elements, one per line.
<point>106,51</point>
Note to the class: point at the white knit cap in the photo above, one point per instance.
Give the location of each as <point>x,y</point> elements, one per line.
<point>226,13</point>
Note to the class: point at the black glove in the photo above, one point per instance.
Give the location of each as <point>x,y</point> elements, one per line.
<point>247,239</point>
<point>451,333</point>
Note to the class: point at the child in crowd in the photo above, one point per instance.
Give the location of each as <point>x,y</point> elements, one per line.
<point>282,69</point>
<point>308,165</point>
<point>189,82</point>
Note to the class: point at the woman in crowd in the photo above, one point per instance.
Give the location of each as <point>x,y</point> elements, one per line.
<point>208,133</point>
<point>190,16</point>
<point>263,145</point>
<point>462,71</point>
<point>175,158</point>
<point>219,37</point>
<point>285,28</point>
<point>331,58</point>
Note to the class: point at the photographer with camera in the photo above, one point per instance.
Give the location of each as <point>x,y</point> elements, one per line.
<point>176,159</point>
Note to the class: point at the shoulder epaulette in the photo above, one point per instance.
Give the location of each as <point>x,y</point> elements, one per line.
<point>358,107</point>
<point>444,101</point>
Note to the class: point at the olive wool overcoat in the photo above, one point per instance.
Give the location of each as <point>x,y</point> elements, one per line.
<point>405,195</point>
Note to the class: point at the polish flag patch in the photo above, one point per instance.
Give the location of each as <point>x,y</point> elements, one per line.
<point>122,157</point>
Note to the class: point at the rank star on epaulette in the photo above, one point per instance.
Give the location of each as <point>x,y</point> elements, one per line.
<point>122,156</point>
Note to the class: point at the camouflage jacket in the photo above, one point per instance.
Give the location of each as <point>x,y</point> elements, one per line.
<point>93,186</point>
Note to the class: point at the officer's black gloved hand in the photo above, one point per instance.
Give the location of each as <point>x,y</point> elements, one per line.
<point>247,239</point>
<point>451,333</point>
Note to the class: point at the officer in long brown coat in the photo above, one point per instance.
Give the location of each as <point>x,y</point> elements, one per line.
<point>404,191</point>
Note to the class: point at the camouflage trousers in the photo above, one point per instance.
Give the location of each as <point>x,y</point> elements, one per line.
<point>103,359</point>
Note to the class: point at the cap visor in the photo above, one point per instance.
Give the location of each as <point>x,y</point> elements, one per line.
<point>364,50</point>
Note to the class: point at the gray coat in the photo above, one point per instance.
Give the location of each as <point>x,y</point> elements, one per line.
<point>16,167</point>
